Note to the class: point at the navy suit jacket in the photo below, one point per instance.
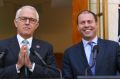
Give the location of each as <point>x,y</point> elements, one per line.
<point>8,62</point>
<point>107,62</point>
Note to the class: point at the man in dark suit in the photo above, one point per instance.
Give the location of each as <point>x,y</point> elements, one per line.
<point>77,58</point>
<point>19,61</point>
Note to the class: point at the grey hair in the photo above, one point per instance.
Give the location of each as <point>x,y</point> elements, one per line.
<point>20,9</point>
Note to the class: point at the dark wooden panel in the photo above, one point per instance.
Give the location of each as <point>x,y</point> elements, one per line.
<point>77,6</point>
<point>59,57</point>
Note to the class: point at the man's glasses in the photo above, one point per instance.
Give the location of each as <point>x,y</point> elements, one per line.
<point>24,19</point>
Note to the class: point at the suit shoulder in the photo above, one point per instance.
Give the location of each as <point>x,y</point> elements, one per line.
<point>42,42</point>
<point>5,41</point>
<point>110,42</point>
<point>74,47</point>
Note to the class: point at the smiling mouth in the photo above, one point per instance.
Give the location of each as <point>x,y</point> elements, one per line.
<point>89,30</point>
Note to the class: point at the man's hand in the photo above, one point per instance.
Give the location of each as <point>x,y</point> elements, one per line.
<point>27,61</point>
<point>21,57</point>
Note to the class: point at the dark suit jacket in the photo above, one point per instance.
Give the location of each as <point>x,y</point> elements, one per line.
<point>8,63</point>
<point>107,62</point>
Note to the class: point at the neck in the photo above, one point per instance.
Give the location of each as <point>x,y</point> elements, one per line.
<point>89,38</point>
<point>25,37</point>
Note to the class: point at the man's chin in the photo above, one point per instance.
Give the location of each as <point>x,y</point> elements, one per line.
<point>26,35</point>
<point>88,37</point>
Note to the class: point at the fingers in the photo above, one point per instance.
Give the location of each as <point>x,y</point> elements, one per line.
<point>27,61</point>
<point>21,57</point>
<point>23,49</point>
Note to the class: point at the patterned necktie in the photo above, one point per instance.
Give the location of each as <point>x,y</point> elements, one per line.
<point>91,58</point>
<point>25,42</point>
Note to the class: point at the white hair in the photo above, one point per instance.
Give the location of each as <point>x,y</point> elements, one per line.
<point>20,9</point>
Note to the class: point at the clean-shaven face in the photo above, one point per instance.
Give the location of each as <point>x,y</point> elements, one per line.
<point>26,23</point>
<point>87,25</point>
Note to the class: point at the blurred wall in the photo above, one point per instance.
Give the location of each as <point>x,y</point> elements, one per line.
<point>112,17</point>
<point>55,24</point>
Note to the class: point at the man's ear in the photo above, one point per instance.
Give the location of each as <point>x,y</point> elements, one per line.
<point>15,22</point>
<point>37,25</point>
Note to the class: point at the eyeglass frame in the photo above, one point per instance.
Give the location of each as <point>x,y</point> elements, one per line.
<point>24,19</point>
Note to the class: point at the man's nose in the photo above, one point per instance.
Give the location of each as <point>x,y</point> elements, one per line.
<point>27,21</point>
<point>86,24</point>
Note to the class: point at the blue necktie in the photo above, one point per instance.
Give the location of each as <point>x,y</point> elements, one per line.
<point>91,58</point>
<point>25,42</point>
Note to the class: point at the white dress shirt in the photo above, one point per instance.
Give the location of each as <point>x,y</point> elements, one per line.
<point>87,47</point>
<point>20,39</point>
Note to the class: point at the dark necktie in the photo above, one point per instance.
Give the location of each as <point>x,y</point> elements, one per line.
<point>25,42</point>
<point>91,58</point>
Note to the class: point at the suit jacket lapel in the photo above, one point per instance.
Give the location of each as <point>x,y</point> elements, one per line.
<point>100,54</point>
<point>14,47</point>
<point>82,55</point>
<point>32,52</point>
<point>83,59</point>
<point>36,47</point>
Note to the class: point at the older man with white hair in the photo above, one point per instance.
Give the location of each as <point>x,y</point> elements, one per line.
<point>21,62</point>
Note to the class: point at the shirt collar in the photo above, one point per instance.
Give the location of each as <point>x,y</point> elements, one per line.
<point>85,42</point>
<point>20,39</point>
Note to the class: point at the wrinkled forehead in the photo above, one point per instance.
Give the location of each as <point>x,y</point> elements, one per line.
<point>27,12</point>
<point>85,16</point>
<point>85,13</point>
<point>88,13</point>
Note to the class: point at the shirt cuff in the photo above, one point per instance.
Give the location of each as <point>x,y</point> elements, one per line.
<point>33,66</point>
<point>18,71</point>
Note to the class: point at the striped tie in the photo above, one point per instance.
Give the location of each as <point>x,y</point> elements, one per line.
<point>25,42</point>
<point>91,58</point>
